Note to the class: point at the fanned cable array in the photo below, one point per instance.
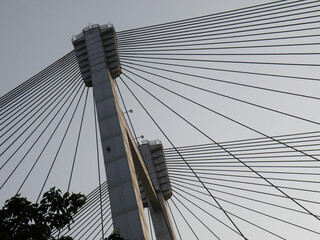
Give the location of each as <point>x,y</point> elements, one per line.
<point>29,118</point>
<point>232,81</point>
<point>94,218</point>
<point>250,198</point>
<point>43,124</point>
<point>233,97</point>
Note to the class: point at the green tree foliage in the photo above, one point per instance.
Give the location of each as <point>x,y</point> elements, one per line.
<point>21,219</point>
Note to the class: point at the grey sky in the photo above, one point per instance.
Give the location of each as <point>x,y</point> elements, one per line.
<point>35,33</point>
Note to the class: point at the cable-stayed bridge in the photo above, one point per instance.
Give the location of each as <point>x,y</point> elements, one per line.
<point>233,98</point>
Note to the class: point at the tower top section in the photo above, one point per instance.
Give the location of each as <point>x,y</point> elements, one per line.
<point>108,39</point>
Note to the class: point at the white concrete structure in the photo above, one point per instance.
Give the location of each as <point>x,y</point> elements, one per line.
<point>153,156</point>
<point>98,59</point>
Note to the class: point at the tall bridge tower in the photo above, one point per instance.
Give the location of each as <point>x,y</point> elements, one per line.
<point>97,55</point>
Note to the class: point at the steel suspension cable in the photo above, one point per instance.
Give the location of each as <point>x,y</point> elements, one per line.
<point>66,111</point>
<point>209,32</point>
<point>230,15</point>
<point>48,103</point>
<point>196,38</point>
<point>177,172</point>
<point>212,79</point>
<point>35,142</point>
<point>251,191</point>
<point>82,226</point>
<point>224,61</point>
<point>259,201</point>
<point>214,217</point>
<point>197,218</point>
<point>78,139</point>
<point>136,138</point>
<point>61,96</point>
<point>189,31</point>
<point>182,157</point>
<point>249,145</point>
<point>219,69</point>
<point>248,171</point>
<point>184,219</point>
<point>56,155</point>
<point>205,46</point>
<point>189,42</point>
<point>204,41</point>
<point>255,149</point>
<point>93,213</point>
<point>181,177</point>
<point>266,108</point>
<point>109,220</point>
<point>215,206</point>
<point>245,150</point>
<point>31,82</point>
<point>266,215</point>
<point>43,83</point>
<point>107,208</point>
<point>51,89</point>
<point>240,161</point>
<point>211,110</point>
<point>174,220</point>
<point>91,209</point>
<point>35,129</point>
<point>89,206</point>
<point>126,110</point>
<point>37,96</point>
<point>200,161</point>
<point>88,237</point>
<point>83,213</point>
<point>237,216</point>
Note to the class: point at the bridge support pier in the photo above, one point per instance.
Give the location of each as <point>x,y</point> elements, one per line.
<point>98,59</point>
<point>153,157</point>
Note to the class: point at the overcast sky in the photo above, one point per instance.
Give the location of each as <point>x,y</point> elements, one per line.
<point>35,33</point>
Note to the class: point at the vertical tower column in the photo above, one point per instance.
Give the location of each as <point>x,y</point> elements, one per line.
<point>124,193</point>
<point>153,157</point>
<point>99,64</point>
